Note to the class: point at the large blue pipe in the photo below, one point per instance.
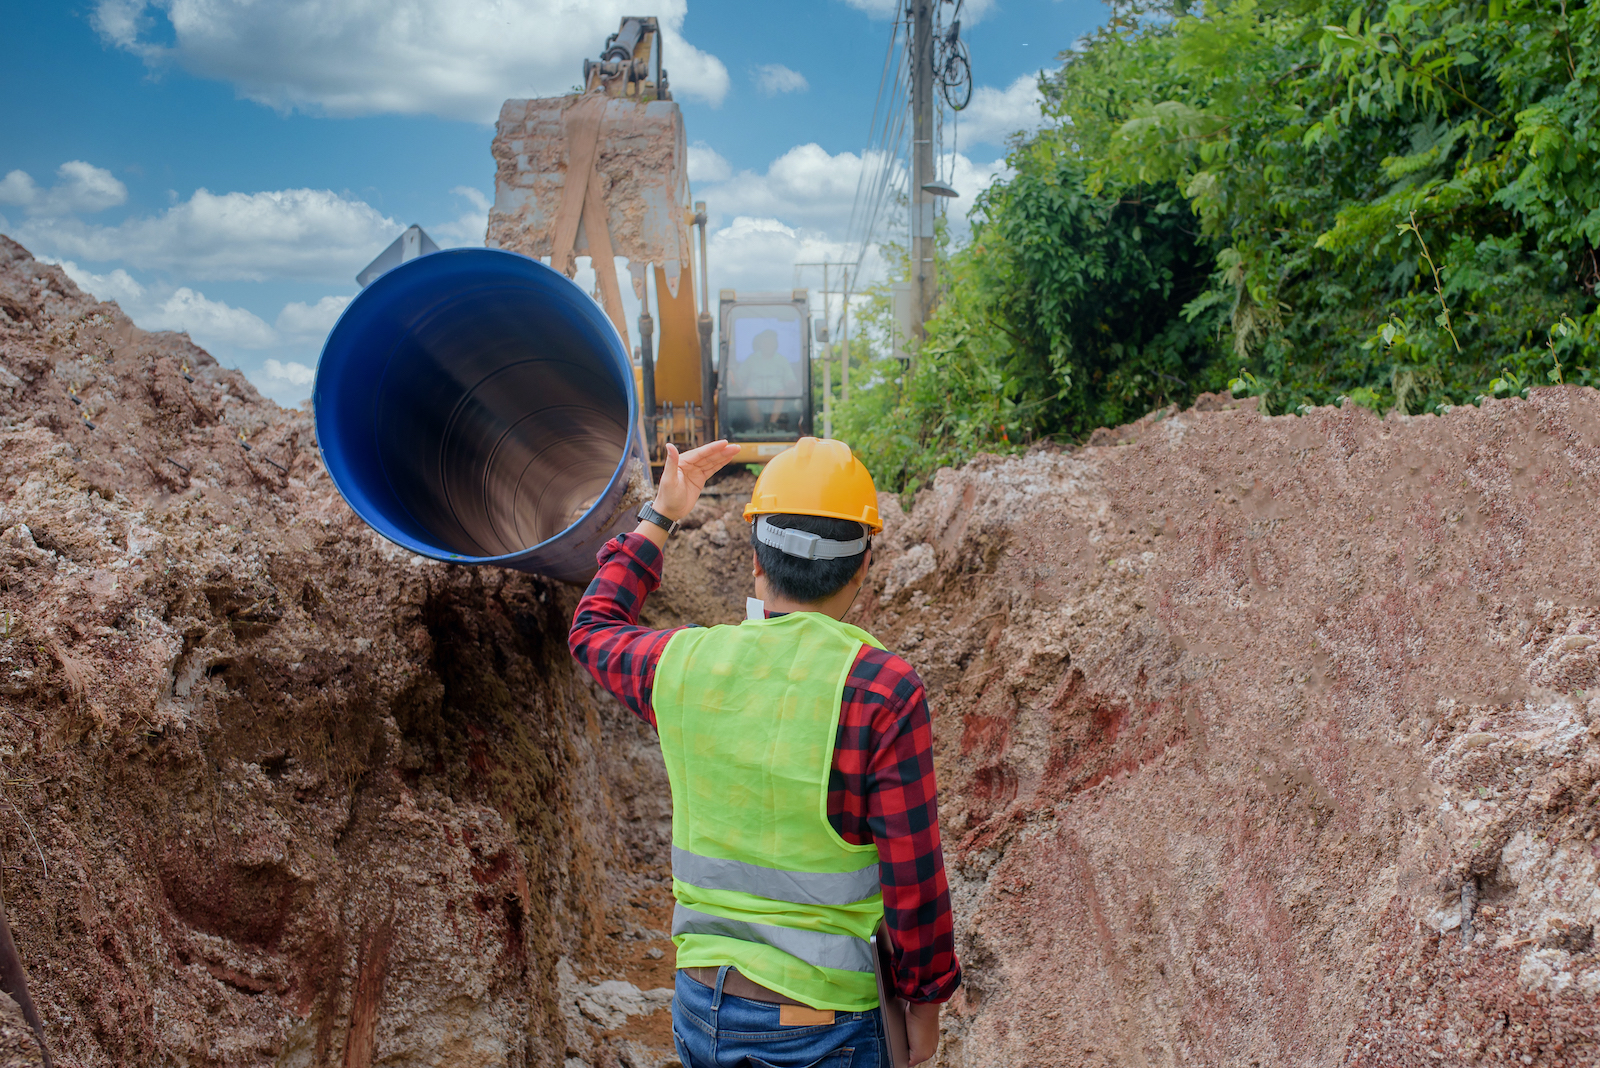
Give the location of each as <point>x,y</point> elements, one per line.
<point>476,406</point>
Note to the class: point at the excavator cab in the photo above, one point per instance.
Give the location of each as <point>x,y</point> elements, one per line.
<point>763,396</point>
<point>604,173</point>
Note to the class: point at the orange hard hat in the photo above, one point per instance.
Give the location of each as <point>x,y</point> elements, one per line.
<point>819,476</point>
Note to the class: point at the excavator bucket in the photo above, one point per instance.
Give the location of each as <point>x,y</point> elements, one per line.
<point>594,175</point>
<point>605,173</point>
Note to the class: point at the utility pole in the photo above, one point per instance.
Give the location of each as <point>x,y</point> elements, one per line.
<point>924,284</point>
<point>827,359</point>
<point>827,345</point>
<point>844,341</point>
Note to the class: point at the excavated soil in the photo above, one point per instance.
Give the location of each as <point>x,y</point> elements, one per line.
<point>275,792</point>
<point>1228,709</point>
<point>1242,725</point>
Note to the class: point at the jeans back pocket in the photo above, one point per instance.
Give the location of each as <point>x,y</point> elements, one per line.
<point>839,1058</point>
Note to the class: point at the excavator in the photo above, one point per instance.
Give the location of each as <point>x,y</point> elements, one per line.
<point>604,173</point>
<point>476,406</point>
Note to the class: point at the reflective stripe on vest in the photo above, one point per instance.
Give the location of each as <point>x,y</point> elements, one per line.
<point>844,953</point>
<point>801,887</point>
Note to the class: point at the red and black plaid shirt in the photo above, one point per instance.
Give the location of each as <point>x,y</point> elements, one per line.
<point>881,789</point>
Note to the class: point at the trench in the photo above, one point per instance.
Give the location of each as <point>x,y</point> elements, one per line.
<point>1226,712</point>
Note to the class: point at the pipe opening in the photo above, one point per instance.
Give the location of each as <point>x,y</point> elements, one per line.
<point>493,438</point>
<point>475,404</point>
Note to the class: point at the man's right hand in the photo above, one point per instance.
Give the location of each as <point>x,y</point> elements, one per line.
<point>922,1030</point>
<point>682,479</point>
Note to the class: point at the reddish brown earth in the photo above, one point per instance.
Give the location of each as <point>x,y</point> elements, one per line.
<point>1228,709</point>
<point>275,792</point>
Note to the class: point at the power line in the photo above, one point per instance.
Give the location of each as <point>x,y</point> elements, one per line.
<point>882,169</point>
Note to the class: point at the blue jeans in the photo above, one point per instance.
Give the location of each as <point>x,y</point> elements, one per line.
<point>716,1030</point>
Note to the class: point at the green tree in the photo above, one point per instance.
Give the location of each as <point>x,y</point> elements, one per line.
<point>1393,203</point>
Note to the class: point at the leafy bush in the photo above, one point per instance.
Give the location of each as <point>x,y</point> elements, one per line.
<point>1394,203</point>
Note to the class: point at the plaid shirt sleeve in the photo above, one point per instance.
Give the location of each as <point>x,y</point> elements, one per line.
<point>881,788</point>
<point>606,637</point>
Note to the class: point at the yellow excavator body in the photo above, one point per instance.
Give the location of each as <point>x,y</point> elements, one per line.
<point>678,358</point>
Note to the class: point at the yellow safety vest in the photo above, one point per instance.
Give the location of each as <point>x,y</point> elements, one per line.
<point>748,716</point>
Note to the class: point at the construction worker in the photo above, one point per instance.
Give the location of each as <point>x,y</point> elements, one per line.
<point>799,753</point>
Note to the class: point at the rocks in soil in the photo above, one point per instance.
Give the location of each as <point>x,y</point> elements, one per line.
<point>276,791</point>
<point>1227,711</point>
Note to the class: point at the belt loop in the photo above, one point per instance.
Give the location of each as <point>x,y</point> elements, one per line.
<point>716,995</point>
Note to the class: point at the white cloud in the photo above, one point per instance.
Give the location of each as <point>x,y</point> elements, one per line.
<point>18,188</point>
<point>439,57</point>
<point>476,197</point>
<point>694,73</point>
<point>806,186</point>
<point>753,253</point>
<point>212,322</point>
<point>775,78</point>
<point>208,322</point>
<point>310,322</point>
<point>706,164</point>
<point>799,211</point>
<point>810,189</point>
<point>120,20</point>
<point>968,177</point>
<point>119,285</point>
<point>214,325</point>
<point>878,9</point>
<point>467,228</point>
<point>85,188</point>
<point>287,381</point>
<point>293,373</point>
<point>995,114</point>
<point>82,188</point>
<point>235,336</point>
<point>311,234</point>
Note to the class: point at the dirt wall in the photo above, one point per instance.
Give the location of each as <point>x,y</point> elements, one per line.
<point>1242,725</point>
<point>274,791</point>
<point>1229,709</point>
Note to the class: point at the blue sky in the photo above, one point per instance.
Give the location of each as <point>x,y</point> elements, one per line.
<point>218,166</point>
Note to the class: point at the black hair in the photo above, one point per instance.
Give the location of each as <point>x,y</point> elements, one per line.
<point>810,581</point>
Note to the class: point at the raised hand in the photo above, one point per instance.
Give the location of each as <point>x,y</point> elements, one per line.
<point>685,476</point>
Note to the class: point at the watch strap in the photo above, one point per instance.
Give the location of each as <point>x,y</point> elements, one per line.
<point>648,514</point>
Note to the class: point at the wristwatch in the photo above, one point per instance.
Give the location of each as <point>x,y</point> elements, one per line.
<point>647,514</point>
